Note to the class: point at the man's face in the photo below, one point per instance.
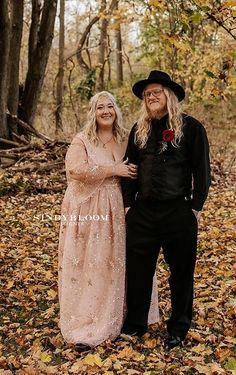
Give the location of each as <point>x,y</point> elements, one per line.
<point>155,99</point>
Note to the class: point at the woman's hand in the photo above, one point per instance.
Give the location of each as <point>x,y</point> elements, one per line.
<point>124,169</point>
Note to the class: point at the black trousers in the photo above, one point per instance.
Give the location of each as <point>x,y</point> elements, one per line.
<point>151,225</point>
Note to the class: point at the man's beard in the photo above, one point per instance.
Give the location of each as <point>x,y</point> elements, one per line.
<point>153,113</point>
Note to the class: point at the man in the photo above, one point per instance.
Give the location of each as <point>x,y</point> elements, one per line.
<point>171,151</point>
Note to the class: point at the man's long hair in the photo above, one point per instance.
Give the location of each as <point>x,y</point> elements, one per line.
<point>175,120</point>
<point>90,128</point>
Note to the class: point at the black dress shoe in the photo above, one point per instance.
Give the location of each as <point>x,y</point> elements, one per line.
<point>129,332</point>
<point>132,332</point>
<point>173,341</point>
<point>82,348</point>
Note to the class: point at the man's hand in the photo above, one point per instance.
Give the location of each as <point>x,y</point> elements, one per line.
<point>196,213</point>
<point>126,210</point>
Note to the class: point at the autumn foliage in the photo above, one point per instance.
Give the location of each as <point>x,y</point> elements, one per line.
<point>109,45</point>
<point>31,342</point>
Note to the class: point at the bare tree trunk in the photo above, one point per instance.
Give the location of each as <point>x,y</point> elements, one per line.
<point>119,61</point>
<point>38,60</point>
<point>34,27</point>
<point>173,56</point>
<point>102,47</point>
<point>14,58</point>
<point>108,52</point>
<point>59,91</point>
<point>4,58</point>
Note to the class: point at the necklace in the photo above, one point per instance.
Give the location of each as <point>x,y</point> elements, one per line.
<point>104,143</point>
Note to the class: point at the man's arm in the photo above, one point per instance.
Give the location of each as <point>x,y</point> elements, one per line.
<point>200,163</point>
<point>130,186</point>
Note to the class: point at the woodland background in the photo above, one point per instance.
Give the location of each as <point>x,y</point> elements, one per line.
<point>54,55</point>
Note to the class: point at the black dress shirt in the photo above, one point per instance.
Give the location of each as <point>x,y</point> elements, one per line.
<point>176,172</point>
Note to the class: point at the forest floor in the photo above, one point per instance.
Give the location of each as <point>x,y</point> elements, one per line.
<point>30,340</point>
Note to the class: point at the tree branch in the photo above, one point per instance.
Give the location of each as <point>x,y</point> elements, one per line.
<point>29,128</point>
<point>83,38</point>
<point>213,18</point>
<point>220,23</point>
<point>8,142</point>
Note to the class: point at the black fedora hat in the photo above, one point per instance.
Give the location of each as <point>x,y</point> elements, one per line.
<point>156,76</point>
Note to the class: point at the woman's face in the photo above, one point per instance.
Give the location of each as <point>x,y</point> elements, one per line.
<point>105,112</point>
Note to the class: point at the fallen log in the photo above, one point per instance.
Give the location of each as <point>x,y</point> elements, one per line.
<point>32,167</point>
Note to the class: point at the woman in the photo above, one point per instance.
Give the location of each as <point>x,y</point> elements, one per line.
<point>92,234</point>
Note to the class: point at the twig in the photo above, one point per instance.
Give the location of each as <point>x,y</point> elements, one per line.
<point>74,53</point>
<point>60,142</point>
<point>8,142</point>
<point>19,149</point>
<point>220,23</point>
<point>128,61</point>
<point>20,138</point>
<point>230,165</point>
<point>4,154</point>
<point>213,18</point>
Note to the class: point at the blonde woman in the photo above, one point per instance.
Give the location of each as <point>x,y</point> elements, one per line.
<point>162,205</point>
<point>92,234</point>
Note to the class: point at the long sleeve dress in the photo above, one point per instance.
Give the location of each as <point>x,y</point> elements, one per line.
<point>92,247</point>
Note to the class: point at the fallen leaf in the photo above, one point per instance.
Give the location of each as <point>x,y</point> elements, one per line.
<point>77,367</point>
<point>10,284</point>
<point>195,336</point>
<point>206,370</point>
<point>45,357</point>
<point>150,343</point>
<point>216,369</point>
<point>231,364</point>
<point>93,359</point>
<point>51,294</point>
<point>29,371</point>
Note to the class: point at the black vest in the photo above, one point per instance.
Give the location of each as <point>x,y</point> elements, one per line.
<point>164,175</point>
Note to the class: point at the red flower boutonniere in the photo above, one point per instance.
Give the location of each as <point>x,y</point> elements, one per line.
<point>167,136</point>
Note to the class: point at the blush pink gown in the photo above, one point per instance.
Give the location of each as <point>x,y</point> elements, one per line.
<point>92,248</point>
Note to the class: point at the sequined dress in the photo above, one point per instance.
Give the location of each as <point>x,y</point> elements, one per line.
<point>92,248</point>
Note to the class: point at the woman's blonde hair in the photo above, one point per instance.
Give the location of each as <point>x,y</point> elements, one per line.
<point>90,129</point>
<point>175,120</point>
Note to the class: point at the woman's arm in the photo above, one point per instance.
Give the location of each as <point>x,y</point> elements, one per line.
<point>79,169</point>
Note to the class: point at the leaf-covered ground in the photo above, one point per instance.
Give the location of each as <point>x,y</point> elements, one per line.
<point>31,342</point>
